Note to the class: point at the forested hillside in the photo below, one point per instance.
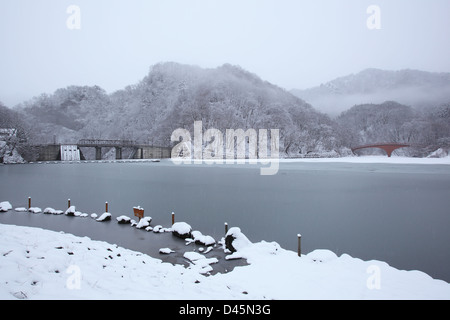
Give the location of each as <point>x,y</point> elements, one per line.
<point>173,96</point>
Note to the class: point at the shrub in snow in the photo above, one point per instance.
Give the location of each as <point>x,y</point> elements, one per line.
<point>5,206</point>
<point>181,230</point>
<point>104,217</point>
<point>235,240</point>
<point>123,220</point>
<point>70,211</point>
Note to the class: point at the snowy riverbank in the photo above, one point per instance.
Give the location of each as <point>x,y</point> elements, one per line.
<point>42,264</point>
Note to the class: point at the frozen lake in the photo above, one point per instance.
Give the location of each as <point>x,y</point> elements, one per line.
<point>398,213</point>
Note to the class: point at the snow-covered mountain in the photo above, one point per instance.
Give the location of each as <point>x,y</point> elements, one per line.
<point>173,96</point>
<point>410,87</point>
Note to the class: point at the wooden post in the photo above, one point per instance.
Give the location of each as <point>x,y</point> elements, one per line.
<point>173,218</point>
<point>226,228</point>
<point>68,203</point>
<point>29,202</point>
<point>299,236</point>
<point>106,206</point>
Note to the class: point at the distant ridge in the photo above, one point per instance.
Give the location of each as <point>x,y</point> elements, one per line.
<point>410,87</point>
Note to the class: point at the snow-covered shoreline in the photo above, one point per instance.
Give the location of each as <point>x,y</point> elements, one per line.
<point>42,264</point>
<point>445,160</point>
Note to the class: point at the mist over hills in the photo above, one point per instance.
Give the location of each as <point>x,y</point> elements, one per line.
<point>415,88</point>
<point>174,95</point>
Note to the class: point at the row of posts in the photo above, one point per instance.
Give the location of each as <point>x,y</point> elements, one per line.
<point>299,236</point>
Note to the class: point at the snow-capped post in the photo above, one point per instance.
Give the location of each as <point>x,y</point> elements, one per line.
<point>226,228</point>
<point>29,202</point>
<point>106,206</point>
<point>68,203</point>
<point>299,250</point>
<point>173,218</point>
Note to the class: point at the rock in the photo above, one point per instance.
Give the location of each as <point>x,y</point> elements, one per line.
<point>35,210</point>
<point>49,211</point>
<point>144,223</point>
<point>235,240</point>
<point>123,220</point>
<point>181,230</point>
<point>165,251</point>
<point>70,211</point>
<point>201,239</point>
<point>104,217</point>
<point>5,206</point>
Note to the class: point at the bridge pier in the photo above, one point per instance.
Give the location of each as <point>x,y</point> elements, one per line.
<point>98,153</point>
<point>118,153</point>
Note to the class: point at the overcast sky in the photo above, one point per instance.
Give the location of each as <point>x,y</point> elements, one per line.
<point>291,43</point>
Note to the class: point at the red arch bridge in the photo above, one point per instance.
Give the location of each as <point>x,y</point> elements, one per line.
<point>387,147</point>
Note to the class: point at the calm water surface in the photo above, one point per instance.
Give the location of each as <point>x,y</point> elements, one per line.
<point>397,213</point>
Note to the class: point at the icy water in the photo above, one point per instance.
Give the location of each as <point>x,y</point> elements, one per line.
<point>398,213</point>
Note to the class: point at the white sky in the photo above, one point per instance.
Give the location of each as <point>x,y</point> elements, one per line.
<point>291,43</point>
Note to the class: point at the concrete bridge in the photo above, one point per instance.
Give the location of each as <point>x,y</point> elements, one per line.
<point>387,147</point>
<point>54,152</point>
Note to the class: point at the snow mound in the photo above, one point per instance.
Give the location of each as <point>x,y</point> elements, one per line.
<point>199,262</point>
<point>321,255</point>
<point>21,209</point>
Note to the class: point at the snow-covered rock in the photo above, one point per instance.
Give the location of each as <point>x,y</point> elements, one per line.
<point>104,217</point>
<point>235,240</point>
<point>123,219</point>
<point>181,230</point>
<point>144,222</point>
<point>166,251</point>
<point>49,210</point>
<point>5,206</point>
<point>70,211</point>
<point>199,238</point>
<point>34,210</point>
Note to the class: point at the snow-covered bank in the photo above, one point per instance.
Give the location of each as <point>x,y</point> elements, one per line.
<point>42,264</point>
<point>374,159</point>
